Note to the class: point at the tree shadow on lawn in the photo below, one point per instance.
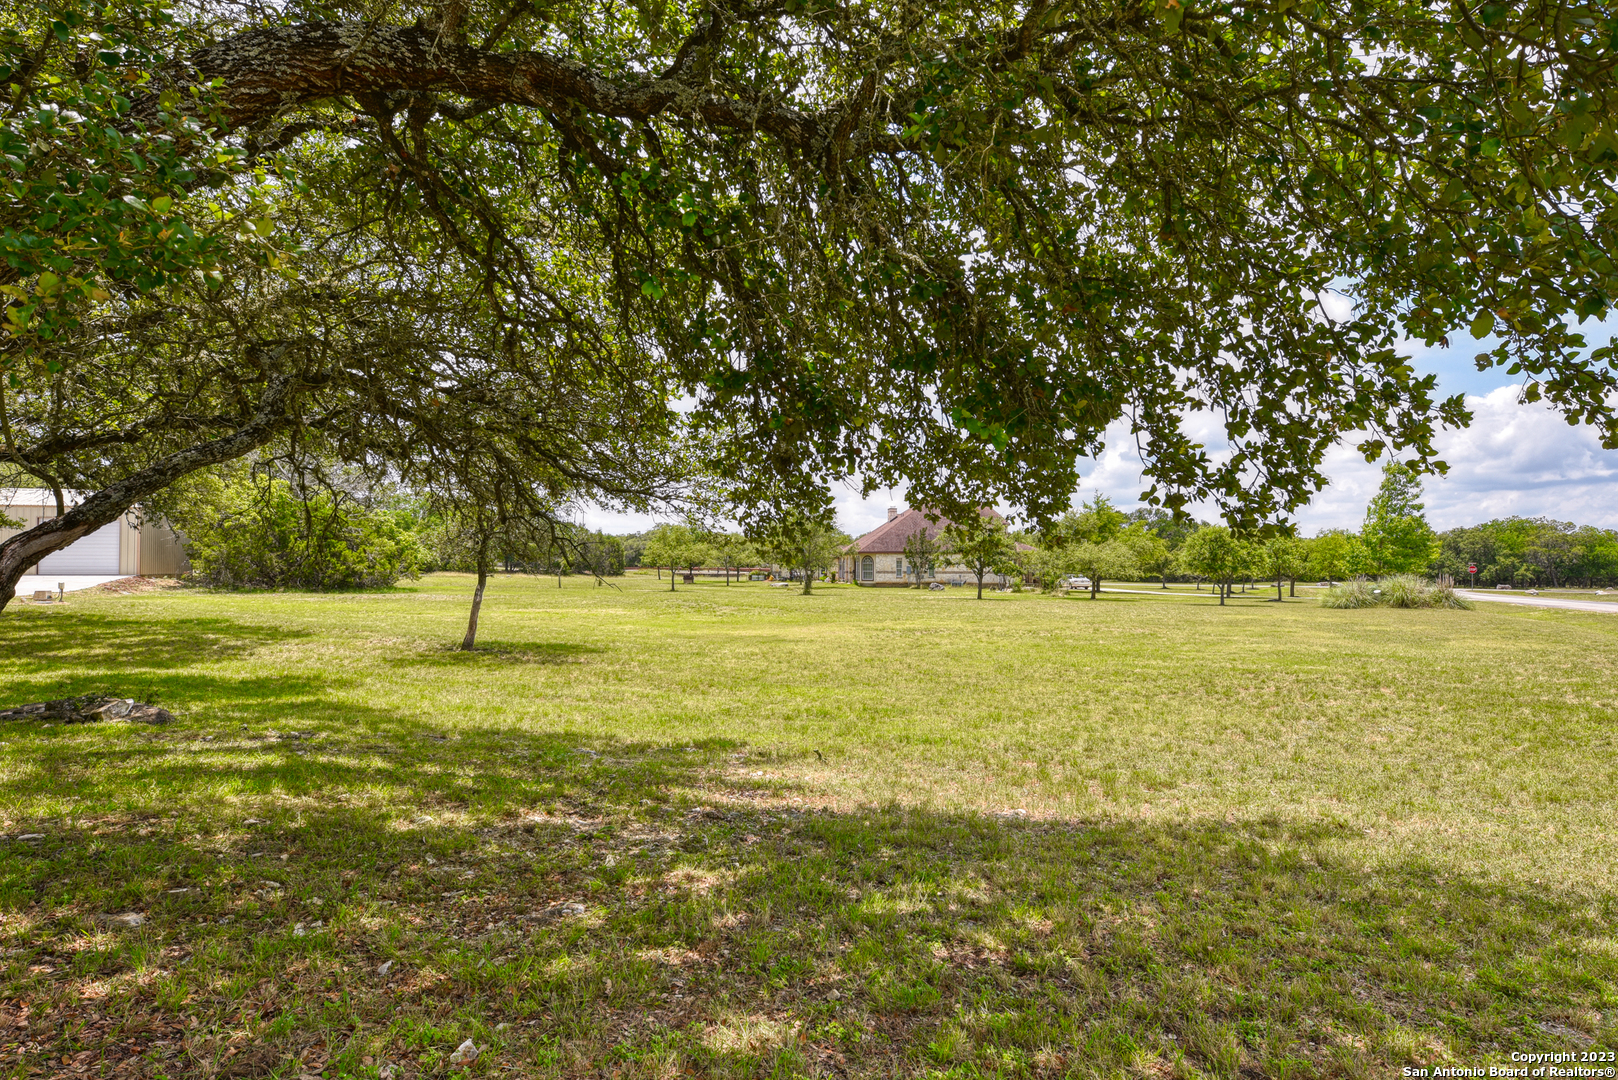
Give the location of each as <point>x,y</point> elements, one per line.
<point>646,911</point>
<point>496,651</point>
<point>35,650</point>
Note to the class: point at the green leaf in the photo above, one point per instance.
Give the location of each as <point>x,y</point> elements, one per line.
<point>1483,325</point>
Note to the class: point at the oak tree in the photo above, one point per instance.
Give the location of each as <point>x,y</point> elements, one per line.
<point>942,244</point>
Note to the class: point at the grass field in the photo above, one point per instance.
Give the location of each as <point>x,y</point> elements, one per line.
<point>735,831</point>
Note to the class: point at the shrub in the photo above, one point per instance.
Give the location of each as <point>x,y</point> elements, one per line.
<point>1400,591</point>
<point>254,532</point>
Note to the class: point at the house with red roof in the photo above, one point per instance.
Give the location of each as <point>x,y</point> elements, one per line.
<point>878,557</point>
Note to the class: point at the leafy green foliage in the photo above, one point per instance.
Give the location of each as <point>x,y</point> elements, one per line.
<point>1096,521</point>
<point>1099,561</point>
<point>1515,551</point>
<point>671,546</point>
<point>96,191</point>
<point>1396,532</point>
<point>808,543</point>
<point>948,246</point>
<point>261,532</point>
<point>1150,551</point>
<point>951,245</point>
<point>1280,558</point>
<point>981,543</point>
<point>1215,553</point>
<point>922,551</point>
<point>1337,554</point>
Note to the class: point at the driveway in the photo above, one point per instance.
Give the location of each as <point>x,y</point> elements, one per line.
<point>70,582</point>
<point>1538,601</point>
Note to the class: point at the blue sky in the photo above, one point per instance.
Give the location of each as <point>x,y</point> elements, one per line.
<point>1513,459</point>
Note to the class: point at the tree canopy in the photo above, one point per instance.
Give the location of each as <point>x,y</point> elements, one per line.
<point>1396,531</point>
<point>1214,553</point>
<point>943,244</point>
<point>1519,551</point>
<point>981,543</point>
<point>808,543</point>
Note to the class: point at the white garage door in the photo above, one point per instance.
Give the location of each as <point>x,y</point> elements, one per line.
<point>93,554</point>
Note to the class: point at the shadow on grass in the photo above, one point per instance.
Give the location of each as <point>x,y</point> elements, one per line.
<point>35,643</point>
<point>497,651</point>
<point>646,911</point>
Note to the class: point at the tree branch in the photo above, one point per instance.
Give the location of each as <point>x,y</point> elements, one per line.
<point>116,499</point>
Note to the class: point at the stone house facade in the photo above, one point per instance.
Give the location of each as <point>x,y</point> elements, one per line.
<point>878,558</point>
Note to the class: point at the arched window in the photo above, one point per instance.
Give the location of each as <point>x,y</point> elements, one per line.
<point>867,569</point>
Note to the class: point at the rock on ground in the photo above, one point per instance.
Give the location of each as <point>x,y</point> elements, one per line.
<point>90,709</point>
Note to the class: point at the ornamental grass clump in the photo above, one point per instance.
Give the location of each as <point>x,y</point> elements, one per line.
<point>1444,597</point>
<point>1405,591</point>
<point>1350,594</point>
<point>1400,591</point>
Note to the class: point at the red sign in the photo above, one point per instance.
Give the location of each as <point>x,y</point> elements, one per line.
<point>1472,569</point>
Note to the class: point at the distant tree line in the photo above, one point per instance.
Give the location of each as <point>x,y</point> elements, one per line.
<point>1100,543</point>
<point>282,523</point>
<point>1530,551</point>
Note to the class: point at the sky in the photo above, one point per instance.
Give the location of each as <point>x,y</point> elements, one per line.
<point>1514,459</point>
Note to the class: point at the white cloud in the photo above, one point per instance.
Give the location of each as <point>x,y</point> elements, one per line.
<point>1514,459</point>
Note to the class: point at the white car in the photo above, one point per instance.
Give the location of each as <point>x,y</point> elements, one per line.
<point>1080,582</point>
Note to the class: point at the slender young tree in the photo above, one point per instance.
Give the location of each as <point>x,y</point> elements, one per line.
<point>1281,558</point>
<point>671,546</point>
<point>808,543</point>
<point>1396,532</point>
<point>1151,552</point>
<point>982,544</point>
<point>1099,561</point>
<point>921,551</point>
<point>1215,554</point>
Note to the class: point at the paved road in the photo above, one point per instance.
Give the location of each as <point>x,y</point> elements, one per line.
<point>1539,601</point>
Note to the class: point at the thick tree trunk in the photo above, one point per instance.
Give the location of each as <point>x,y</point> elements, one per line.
<point>1095,587</point>
<point>115,500</point>
<point>980,586</point>
<point>469,642</point>
<point>1278,596</point>
<point>671,577</point>
<point>1292,586</point>
<point>808,581</point>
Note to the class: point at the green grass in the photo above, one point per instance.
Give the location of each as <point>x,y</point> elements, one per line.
<point>864,833</point>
